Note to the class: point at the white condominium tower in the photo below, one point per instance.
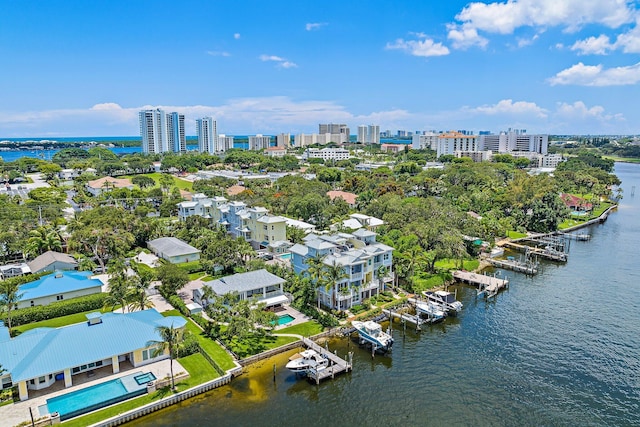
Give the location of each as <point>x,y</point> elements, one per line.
<point>362,134</point>
<point>162,132</point>
<point>207,130</point>
<point>153,130</point>
<point>259,142</point>
<point>175,133</point>
<point>373,134</point>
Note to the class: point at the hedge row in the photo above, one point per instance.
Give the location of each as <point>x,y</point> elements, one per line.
<point>56,309</point>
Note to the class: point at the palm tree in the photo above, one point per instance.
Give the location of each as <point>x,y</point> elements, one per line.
<point>170,340</point>
<point>43,239</point>
<point>9,296</point>
<point>334,274</point>
<point>316,270</point>
<point>137,297</point>
<point>381,272</point>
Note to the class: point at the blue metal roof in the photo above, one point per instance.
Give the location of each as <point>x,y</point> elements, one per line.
<point>58,282</point>
<point>46,351</point>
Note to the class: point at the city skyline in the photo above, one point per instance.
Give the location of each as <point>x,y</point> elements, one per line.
<point>87,69</point>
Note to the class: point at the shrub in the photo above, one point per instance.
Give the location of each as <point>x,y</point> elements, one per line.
<point>177,302</point>
<point>56,309</point>
<point>189,346</point>
<point>358,308</point>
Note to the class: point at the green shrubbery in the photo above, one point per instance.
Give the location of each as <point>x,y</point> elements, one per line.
<point>56,309</point>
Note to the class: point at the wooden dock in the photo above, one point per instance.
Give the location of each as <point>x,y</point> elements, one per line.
<point>487,285</point>
<point>518,266</point>
<point>337,365</point>
<point>546,253</point>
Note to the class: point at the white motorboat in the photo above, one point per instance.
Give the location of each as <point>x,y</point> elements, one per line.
<point>372,333</point>
<point>308,359</point>
<point>446,300</point>
<point>430,309</point>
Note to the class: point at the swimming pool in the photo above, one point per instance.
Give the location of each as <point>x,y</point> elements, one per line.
<point>100,395</point>
<point>284,319</point>
<point>286,256</point>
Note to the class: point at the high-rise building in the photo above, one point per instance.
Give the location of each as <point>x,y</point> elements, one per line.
<point>177,141</point>
<point>373,134</point>
<point>224,143</point>
<point>153,130</point>
<point>207,130</point>
<point>514,140</point>
<point>362,134</point>
<point>450,142</point>
<point>283,140</point>
<point>426,140</point>
<point>259,142</point>
<point>333,128</point>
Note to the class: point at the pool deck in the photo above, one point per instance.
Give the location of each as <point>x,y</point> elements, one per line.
<point>297,317</point>
<point>11,415</point>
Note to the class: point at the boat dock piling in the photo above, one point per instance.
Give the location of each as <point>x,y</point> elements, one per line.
<point>404,318</point>
<point>487,285</point>
<point>547,253</point>
<point>337,365</point>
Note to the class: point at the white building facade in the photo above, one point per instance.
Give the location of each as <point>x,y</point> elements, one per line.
<point>259,142</point>
<point>207,131</point>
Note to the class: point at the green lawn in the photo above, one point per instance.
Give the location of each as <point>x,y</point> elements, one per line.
<point>180,183</point>
<point>305,329</point>
<point>257,344</point>
<point>59,321</point>
<point>454,264</point>
<point>199,369</point>
<point>573,221</point>
<point>197,275</point>
<point>515,235</point>
<point>623,159</point>
<point>212,348</point>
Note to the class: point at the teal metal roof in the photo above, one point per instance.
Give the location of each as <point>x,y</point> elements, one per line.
<point>46,351</point>
<point>57,283</point>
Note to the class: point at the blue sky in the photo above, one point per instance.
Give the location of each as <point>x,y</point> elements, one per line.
<point>85,68</point>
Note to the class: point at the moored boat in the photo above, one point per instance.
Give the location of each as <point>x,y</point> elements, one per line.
<point>431,310</point>
<point>446,300</point>
<point>372,333</point>
<point>308,359</point>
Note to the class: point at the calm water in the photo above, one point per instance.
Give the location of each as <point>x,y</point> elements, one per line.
<point>562,348</point>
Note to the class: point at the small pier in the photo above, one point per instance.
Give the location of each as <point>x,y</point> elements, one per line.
<point>514,265</point>
<point>547,253</point>
<point>337,365</point>
<point>487,285</point>
<point>578,237</point>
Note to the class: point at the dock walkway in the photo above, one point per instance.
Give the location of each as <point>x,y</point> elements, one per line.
<point>549,254</point>
<point>488,285</point>
<point>518,266</point>
<point>337,365</point>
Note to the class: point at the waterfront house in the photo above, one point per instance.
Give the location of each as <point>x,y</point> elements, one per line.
<point>52,261</point>
<point>366,265</point>
<point>350,198</point>
<point>259,286</point>
<point>575,203</point>
<point>58,286</point>
<point>173,250</point>
<point>38,358</point>
<point>358,220</point>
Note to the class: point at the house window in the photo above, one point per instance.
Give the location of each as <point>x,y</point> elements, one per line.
<point>145,354</point>
<point>42,380</point>
<point>59,297</point>
<point>32,304</point>
<point>386,257</point>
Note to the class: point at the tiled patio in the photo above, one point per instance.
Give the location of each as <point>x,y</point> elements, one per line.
<point>11,415</point>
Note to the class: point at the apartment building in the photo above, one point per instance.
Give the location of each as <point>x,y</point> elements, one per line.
<point>366,265</point>
<point>259,142</point>
<point>452,141</point>
<point>161,132</point>
<point>327,154</point>
<point>207,131</point>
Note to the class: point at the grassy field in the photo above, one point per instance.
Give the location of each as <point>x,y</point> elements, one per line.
<point>623,159</point>
<point>305,329</point>
<point>212,348</point>
<point>451,264</point>
<point>59,321</point>
<point>180,183</point>
<point>199,369</point>
<point>573,221</point>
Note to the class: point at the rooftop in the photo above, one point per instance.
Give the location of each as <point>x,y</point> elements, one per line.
<point>49,258</point>
<point>171,246</point>
<point>58,282</point>
<point>242,282</point>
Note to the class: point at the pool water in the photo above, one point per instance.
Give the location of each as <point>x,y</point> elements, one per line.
<point>98,396</point>
<point>144,378</point>
<point>287,318</point>
<point>286,256</point>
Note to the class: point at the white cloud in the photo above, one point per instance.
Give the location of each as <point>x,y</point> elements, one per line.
<point>596,75</point>
<point>593,45</point>
<point>579,110</point>
<point>236,36</point>
<point>507,106</point>
<point>425,47</point>
<point>629,42</point>
<point>465,36</point>
<point>281,62</point>
<point>218,53</point>
<point>315,25</point>
<point>505,18</point>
